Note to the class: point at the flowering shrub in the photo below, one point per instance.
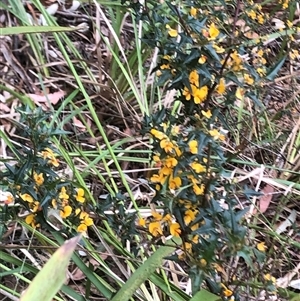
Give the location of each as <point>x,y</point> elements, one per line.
<point>194,191</point>
<point>33,188</point>
<point>210,52</point>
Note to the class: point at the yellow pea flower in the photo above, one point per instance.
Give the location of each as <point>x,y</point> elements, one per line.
<point>142,222</point>
<point>157,134</point>
<point>30,220</point>
<point>38,178</point>
<point>251,14</point>
<point>188,246</point>
<point>158,178</point>
<point>165,66</point>
<point>66,211</point>
<point>248,79</point>
<point>80,195</point>
<point>155,229</point>
<point>157,216</point>
<point>216,134</point>
<point>213,32</point>
<point>226,292</point>
<point>63,193</point>
<point>197,167</point>
<point>54,203</point>
<point>35,206</point>
<point>189,216</point>
<point>172,32</point>
<point>206,114</point>
<point>82,228</point>
<point>167,145</point>
<point>175,229</point>
<point>187,93</point>
<point>193,145</point>
<point>199,190</point>
<point>88,221</point>
<point>167,218</point>
<point>54,162</point>
<point>193,12</point>
<point>27,197</point>
<point>269,277</point>
<point>202,263</point>
<point>261,246</point>
<point>194,78</point>
<point>221,88</point>
<point>174,183</point>
<point>239,94</point>
<point>218,49</point>
<point>47,153</point>
<point>200,94</point>
<point>202,59</point>
<point>171,162</point>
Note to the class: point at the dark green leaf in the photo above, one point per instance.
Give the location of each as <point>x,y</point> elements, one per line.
<point>274,71</point>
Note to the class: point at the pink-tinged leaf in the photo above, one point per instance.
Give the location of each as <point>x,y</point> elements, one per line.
<point>80,126</point>
<point>53,98</point>
<point>77,274</point>
<point>129,132</point>
<point>4,108</point>
<point>265,200</point>
<point>251,35</point>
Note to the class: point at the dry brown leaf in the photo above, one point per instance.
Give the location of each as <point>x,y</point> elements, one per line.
<point>129,132</point>
<point>77,274</point>
<point>265,200</point>
<point>251,35</point>
<point>53,98</point>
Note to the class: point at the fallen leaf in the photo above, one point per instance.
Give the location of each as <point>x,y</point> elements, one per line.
<point>265,200</point>
<point>251,35</point>
<point>53,98</point>
<point>129,131</point>
<point>4,108</point>
<point>76,122</point>
<point>77,274</point>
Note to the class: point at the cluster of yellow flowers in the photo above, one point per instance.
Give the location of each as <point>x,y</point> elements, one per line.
<point>159,222</point>
<point>199,94</point>
<point>183,166</point>
<point>257,14</point>
<point>284,3</point>
<point>175,175</point>
<point>47,153</point>
<point>34,208</point>
<point>66,209</point>
<point>64,202</point>
<point>198,90</point>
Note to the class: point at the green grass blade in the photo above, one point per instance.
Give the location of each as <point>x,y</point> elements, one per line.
<point>51,278</point>
<point>99,283</point>
<point>143,273</point>
<point>33,29</point>
<point>204,295</point>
